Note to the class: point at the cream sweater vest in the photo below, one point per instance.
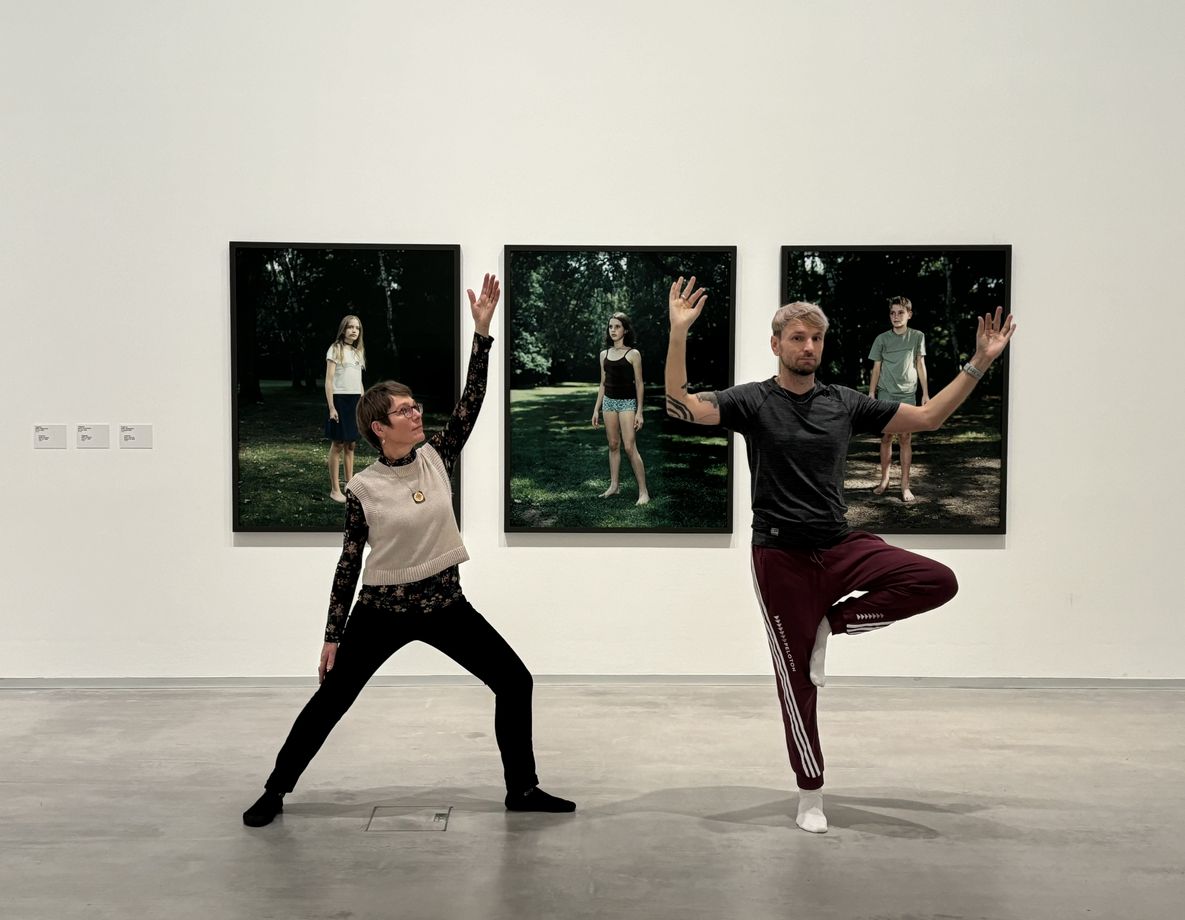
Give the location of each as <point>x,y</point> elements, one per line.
<point>408,542</point>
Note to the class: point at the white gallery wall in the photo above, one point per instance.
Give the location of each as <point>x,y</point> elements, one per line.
<point>137,138</point>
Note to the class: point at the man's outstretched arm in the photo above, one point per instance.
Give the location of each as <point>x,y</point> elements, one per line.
<point>992,334</point>
<point>686,303</point>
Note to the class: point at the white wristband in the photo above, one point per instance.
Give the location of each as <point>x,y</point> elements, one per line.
<point>974,372</point>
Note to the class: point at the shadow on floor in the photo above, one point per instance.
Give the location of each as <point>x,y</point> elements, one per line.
<point>879,815</point>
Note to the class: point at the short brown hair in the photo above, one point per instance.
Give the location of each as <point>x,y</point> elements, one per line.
<point>900,301</point>
<point>375,406</point>
<point>809,313</point>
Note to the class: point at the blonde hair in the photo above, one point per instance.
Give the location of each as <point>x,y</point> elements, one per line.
<point>808,313</point>
<point>339,344</point>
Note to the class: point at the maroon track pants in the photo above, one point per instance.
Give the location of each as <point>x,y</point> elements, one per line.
<point>797,588</point>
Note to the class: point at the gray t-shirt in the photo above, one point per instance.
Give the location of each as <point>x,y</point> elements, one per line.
<point>798,448</point>
<point>898,355</point>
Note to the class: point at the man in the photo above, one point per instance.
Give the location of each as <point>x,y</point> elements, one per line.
<point>899,365</point>
<point>805,557</point>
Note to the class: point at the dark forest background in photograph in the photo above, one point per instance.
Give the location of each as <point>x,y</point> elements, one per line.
<point>287,301</point>
<point>559,301</point>
<point>958,472</point>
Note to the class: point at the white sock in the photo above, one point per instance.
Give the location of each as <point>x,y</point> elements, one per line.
<point>819,653</point>
<point>810,811</point>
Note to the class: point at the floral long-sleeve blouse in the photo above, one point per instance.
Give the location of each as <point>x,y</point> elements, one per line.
<point>437,590</point>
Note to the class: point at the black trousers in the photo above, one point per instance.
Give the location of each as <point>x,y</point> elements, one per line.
<point>371,637</point>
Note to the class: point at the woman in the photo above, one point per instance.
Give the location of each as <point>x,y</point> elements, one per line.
<point>402,506</point>
<point>344,363</point>
<point>619,399</point>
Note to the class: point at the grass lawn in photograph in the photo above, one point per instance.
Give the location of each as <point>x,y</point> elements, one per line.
<point>954,476</point>
<point>559,465</point>
<point>284,457</point>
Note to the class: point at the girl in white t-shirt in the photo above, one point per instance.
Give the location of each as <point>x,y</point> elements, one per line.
<point>344,363</point>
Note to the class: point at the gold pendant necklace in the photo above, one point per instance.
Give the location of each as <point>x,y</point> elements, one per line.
<point>418,495</point>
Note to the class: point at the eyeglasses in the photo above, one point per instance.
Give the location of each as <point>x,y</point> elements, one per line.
<point>408,411</point>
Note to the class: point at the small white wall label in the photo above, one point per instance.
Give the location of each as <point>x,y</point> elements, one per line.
<point>49,437</point>
<point>92,437</point>
<point>135,437</point>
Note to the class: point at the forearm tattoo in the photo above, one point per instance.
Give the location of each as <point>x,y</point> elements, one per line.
<point>678,410</point>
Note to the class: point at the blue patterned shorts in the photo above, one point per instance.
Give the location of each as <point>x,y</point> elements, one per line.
<point>608,404</point>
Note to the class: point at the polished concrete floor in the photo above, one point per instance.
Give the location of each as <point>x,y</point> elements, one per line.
<point>944,803</point>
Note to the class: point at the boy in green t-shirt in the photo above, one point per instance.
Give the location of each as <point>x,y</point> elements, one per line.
<point>899,364</point>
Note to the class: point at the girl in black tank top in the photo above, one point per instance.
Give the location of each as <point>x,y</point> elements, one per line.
<point>619,400</point>
<point>619,375</point>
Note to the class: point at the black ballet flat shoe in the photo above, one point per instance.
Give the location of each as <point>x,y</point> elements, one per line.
<point>535,799</point>
<point>264,810</point>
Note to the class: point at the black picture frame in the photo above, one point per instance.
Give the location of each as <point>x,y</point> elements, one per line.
<point>286,302</point>
<point>558,302</point>
<point>959,473</point>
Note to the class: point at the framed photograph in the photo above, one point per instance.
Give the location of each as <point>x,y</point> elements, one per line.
<point>589,446</point>
<point>902,324</point>
<point>312,325</point>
